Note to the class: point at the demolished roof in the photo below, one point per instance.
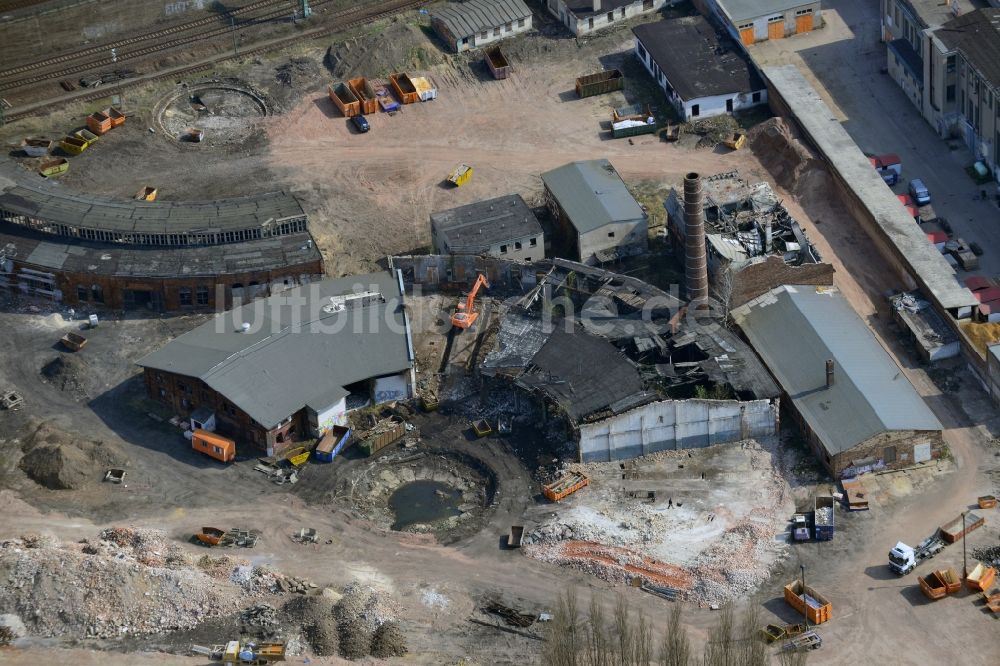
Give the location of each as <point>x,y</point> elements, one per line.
<point>302,347</point>
<point>796,330</point>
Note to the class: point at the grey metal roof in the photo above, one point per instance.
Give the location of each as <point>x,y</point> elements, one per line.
<point>825,131</point>
<point>585,8</point>
<point>696,62</point>
<point>476,227</point>
<point>744,10</point>
<point>592,194</point>
<point>467,18</point>
<point>977,36</point>
<point>278,367</point>
<point>47,252</point>
<point>55,204</point>
<point>796,330</point>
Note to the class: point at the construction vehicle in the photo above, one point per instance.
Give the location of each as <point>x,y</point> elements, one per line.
<point>808,602</point>
<point>235,653</point>
<point>466,314</point>
<point>460,175</point>
<point>565,485</point>
<point>737,140</point>
<point>903,558</point>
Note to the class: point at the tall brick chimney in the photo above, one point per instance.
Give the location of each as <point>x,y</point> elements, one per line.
<point>695,259</point>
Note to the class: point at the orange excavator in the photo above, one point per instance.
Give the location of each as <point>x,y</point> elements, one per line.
<point>466,314</point>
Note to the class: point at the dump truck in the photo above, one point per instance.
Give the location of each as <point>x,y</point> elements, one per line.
<point>954,530</point>
<point>600,83</point>
<point>36,147</point>
<point>460,175</point>
<point>73,341</point>
<point>332,443</point>
<point>981,578</point>
<point>213,445</point>
<point>403,87</point>
<point>73,145</point>
<point>497,63</point>
<point>344,99</point>
<point>808,602</point>
<point>565,485</point>
<point>632,121</point>
<point>365,94</point>
<point>933,586</point>
<point>54,167</point>
<point>382,435</point>
<point>147,193</point>
<point>823,518</point>
<point>99,123</point>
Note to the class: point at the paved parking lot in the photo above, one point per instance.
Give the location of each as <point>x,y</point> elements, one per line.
<point>843,61</point>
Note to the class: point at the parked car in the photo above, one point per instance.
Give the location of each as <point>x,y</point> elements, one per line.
<point>919,192</point>
<point>361,123</point>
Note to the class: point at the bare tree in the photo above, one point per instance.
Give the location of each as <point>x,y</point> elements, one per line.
<point>675,649</point>
<point>792,658</point>
<point>598,648</point>
<point>562,646</point>
<point>642,642</point>
<point>719,650</point>
<point>623,631</point>
<point>752,648</point>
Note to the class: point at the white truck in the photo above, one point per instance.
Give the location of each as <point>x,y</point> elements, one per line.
<point>903,558</point>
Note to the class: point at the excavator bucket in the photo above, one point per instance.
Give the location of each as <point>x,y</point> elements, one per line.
<point>465,314</point>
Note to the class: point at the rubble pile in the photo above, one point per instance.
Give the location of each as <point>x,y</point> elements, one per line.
<point>388,641</point>
<point>360,613</point>
<point>130,583</point>
<point>56,460</point>
<point>260,620</point>
<point>315,616</point>
<point>988,555</point>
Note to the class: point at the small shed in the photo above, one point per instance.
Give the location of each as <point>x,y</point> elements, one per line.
<point>476,23</point>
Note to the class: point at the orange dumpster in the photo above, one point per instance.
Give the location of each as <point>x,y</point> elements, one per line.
<point>99,123</point>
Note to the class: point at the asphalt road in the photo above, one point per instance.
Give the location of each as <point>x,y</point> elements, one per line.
<point>844,60</point>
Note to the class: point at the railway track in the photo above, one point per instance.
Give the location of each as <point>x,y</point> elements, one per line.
<point>105,49</point>
<point>342,20</point>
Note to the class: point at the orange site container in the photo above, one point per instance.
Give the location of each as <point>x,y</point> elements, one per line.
<point>365,94</point>
<point>117,117</point>
<point>216,446</point>
<point>565,485</point>
<point>404,88</point>
<point>99,123</point>
<point>344,99</point>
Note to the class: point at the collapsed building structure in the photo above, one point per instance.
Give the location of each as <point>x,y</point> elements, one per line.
<point>618,359</point>
<point>753,243</point>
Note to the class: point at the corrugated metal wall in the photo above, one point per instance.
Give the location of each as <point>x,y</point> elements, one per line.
<point>676,424</point>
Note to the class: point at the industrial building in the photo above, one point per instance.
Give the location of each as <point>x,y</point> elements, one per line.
<point>752,242</point>
<point>701,73</point>
<point>853,403</point>
<point>583,16</point>
<point>753,21</point>
<point>500,227</point>
<point>473,24</point>
<point>597,216</point>
<point>946,59</point>
<point>86,250</point>
<point>286,368</point>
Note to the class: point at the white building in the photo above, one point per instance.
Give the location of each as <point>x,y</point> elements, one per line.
<point>476,23</point>
<point>701,74</point>
<point>583,16</point>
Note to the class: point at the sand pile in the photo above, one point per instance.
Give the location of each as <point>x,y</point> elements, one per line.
<point>319,627</point>
<point>55,459</point>
<point>361,613</point>
<point>790,161</point>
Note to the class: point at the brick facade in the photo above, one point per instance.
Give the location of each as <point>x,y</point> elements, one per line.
<point>186,394</point>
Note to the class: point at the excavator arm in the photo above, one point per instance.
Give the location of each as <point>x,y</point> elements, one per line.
<point>465,316</point>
